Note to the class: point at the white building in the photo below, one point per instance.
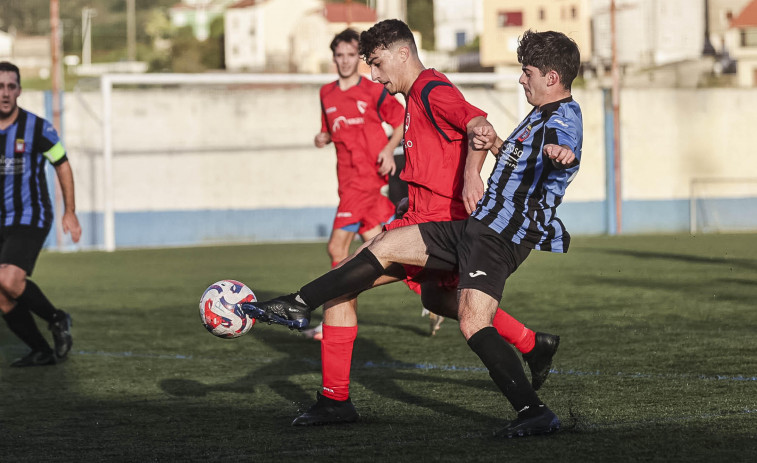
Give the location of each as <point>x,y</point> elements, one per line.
<point>288,35</point>
<point>457,23</point>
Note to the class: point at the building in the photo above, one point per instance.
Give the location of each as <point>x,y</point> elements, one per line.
<point>741,39</point>
<point>457,23</point>
<point>288,35</point>
<point>506,20</point>
<point>199,14</point>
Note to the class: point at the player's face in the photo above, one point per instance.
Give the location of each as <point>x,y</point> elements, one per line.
<point>346,59</point>
<point>385,69</point>
<point>10,89</point>
<point>534,85</point>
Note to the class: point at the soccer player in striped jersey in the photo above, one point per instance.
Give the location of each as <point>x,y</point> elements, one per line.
<point>352,112</point>
<point>27,142</point>
<point>516,214</point>
<point>444,185</point>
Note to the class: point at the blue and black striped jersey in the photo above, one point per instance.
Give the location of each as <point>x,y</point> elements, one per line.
<point>525,187</point>
<point>24,147</point>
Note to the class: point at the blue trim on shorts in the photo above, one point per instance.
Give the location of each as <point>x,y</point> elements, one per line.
<point>353,227</point>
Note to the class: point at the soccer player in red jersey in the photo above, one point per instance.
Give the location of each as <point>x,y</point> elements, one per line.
<point>353,109</point>
<point>444,183</point>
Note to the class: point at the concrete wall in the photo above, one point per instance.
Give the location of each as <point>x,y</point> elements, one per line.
<point>209,165</point>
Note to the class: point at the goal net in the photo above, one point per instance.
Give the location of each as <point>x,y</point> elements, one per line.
<point>723,205</point>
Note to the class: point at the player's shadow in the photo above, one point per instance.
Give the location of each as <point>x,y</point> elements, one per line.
<point>302,357</point>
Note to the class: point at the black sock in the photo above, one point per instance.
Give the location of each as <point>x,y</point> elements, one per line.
<point>505,369</point>
<point>34,299</point>
<point>358,274</point>
<point>21,323</point>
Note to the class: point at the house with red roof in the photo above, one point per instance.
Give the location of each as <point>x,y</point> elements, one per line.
<point>742,42</point>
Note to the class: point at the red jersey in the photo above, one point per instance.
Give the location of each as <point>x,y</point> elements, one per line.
<point>436,139</point>
<point>353,118</point>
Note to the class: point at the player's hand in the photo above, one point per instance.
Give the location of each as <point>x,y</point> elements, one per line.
<point>71,225</point>
<point>385,161</point>
<point>322,139</point>
<point>483,137</point>
<point>473,191</point>
<point>559,154</point>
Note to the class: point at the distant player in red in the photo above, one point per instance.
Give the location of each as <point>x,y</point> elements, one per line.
<point>353,109</point>
<point>444,183</point>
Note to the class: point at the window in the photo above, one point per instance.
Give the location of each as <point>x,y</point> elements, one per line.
<point>573,12</point>
<point>459,39</point>
<point>509,18</point>
<point>749,38</point>
<point>542,14</point>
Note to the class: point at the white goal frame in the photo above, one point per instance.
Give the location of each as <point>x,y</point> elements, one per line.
<point>109,81</point>
<point>695,186</point>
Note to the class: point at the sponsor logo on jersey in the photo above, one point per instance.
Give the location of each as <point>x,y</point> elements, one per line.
<point>12,166</point>
<point>513,155</point>
<point>361,105</point>
<point>341,120</point>
<point>477,273</point>
<point>344,214</point>
<point>20,146</point>
<point>330,109</point>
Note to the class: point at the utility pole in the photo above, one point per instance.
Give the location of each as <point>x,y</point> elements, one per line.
<point>131,31</point>
<point>86,35</point>
<point>57,79</point>
<point>616,118</point>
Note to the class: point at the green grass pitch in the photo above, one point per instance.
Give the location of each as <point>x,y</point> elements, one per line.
<point>657,361</point>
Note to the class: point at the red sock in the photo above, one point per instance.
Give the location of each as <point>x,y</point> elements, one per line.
<point>514,331</point>
<point>336,359</point>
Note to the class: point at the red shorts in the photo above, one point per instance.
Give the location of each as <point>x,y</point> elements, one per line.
<point>368,208</point>
<point>427,206</point>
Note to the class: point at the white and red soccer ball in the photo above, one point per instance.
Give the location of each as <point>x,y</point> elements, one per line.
<point>220,312</point>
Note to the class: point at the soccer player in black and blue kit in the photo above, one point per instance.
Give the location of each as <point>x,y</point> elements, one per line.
<point>517,213</point>
<point>27,142</point>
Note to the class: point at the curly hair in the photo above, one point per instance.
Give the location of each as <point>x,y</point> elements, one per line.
<point>383,35</point>
<point>550,51</point>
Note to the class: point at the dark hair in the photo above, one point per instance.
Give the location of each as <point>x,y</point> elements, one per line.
<point>384,34</point>
<point>347,35</point>
<point>10,67</point>
<point>550,51</point>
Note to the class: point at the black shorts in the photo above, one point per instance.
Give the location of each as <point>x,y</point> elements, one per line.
<point>20,245</point>
<point>483,257</point>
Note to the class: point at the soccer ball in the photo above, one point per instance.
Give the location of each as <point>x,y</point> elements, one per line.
<point>219,311</point>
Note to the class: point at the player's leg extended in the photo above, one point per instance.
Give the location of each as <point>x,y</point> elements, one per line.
<point>401,245</point>
<point>476,313</point>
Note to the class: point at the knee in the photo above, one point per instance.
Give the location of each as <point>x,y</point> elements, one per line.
<point>12,283</point>
<point>336,251</point>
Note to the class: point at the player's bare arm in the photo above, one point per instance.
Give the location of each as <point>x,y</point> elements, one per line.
<point>473,186</point>
<point>69,220</point>
<point>322,139</point>
<point>561,155</point>
<point>386,156</point>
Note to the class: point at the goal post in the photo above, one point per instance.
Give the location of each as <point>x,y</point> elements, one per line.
<point>221,83</point>
<point>722,205</point>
